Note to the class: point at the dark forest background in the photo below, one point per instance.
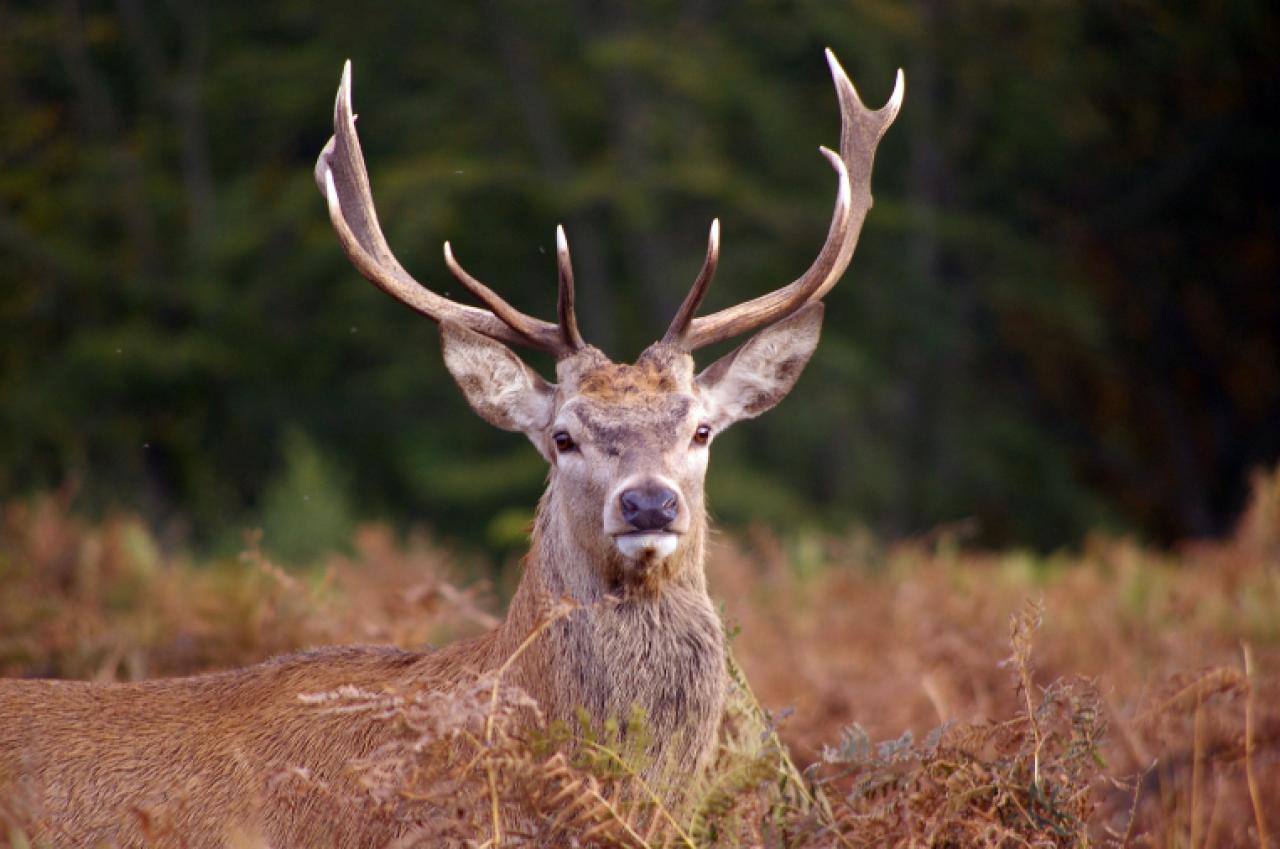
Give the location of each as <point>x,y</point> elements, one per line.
<point>1064,313</point>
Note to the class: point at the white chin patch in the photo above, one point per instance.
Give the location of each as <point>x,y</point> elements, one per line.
<point>654,546</point>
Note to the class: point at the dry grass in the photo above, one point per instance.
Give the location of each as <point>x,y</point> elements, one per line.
<point>910,640</point>
<point>104,602</point>
<point>916,695</point>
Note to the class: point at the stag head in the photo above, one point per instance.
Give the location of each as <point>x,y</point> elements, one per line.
<point>627,443</point>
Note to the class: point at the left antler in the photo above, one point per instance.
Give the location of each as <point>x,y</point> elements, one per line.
<point>341,175</point>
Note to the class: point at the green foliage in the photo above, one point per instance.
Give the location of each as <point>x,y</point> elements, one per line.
<point>1061,313</point>
<point>305,512</point>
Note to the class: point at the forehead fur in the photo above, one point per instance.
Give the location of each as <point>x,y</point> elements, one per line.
<point>660,371</point>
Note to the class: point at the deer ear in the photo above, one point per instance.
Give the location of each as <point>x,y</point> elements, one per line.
<point>499,386</point>
<point>759,373</point>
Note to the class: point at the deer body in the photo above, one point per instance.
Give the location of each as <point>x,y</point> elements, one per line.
<point>248,756</point>
<point>193,760</point>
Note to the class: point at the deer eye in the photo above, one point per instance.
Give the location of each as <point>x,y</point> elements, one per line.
<point>702,435</point>
<point>564,442</point>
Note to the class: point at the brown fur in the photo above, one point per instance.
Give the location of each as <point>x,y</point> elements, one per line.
<point>627,384</point>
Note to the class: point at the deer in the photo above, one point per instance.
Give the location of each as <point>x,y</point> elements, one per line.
<point>621,529</point>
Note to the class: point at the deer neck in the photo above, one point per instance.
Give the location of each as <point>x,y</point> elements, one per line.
<point>655,643</point>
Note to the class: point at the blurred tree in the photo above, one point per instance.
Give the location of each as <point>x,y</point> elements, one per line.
<point>305,512</point>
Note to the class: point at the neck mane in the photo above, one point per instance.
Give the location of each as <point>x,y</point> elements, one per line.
<point>654,642</point>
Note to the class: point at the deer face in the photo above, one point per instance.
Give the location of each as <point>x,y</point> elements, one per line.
<point>625,449</point>
<point>629,444</point>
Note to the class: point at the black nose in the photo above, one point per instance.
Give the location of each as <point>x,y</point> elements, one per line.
<point>649,507</point>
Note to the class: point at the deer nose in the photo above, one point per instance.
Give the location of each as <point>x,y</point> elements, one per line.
<point>649,508</point>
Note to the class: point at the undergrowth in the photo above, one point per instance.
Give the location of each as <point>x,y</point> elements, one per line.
<point>1121,697</point>
<point>482,767</point>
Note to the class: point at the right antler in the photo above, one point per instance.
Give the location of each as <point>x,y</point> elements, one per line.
<point>341,175</point>
<point>860,133</point>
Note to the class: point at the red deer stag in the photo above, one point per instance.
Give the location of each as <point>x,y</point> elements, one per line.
<point>621,529</point>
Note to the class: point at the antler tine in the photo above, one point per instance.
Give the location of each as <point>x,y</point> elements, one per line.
<point>564,301</point>
<point>340,173</point>
<point>680,324</point>
<point>861,131</point>
<point>533,332</point>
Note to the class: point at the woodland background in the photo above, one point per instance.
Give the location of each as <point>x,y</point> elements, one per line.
<point>1063,314</point>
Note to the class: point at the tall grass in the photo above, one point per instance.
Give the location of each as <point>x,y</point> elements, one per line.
<point>908,695</point>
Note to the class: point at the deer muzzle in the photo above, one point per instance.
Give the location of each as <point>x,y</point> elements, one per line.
<point>645,519</point>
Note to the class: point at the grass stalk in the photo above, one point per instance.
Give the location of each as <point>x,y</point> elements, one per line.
<point>1251,777</point>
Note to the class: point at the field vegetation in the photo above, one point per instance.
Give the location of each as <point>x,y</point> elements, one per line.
<point>916,694</point>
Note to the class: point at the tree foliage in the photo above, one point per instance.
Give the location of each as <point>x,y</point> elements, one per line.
<point>1063,310</point>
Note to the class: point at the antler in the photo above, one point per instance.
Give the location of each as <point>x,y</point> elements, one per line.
<point>861,130</point>
<point>684,315</point>
<point>341,175</point>
<point>564,303</point>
